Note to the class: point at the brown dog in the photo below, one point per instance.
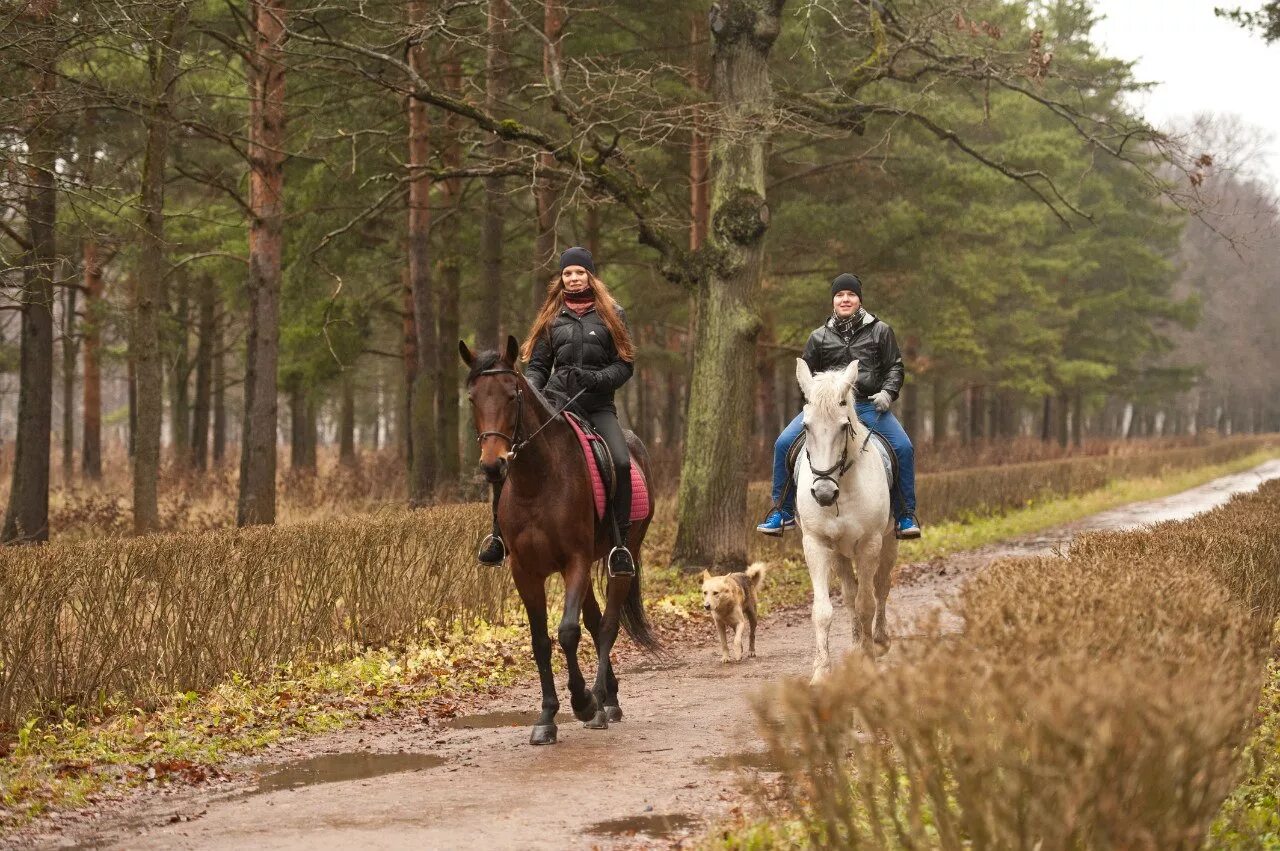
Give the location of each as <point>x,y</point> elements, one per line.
<point>731,599</point>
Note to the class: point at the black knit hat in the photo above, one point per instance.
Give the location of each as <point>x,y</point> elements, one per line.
<point>577,256</point>
<point>846,281</point>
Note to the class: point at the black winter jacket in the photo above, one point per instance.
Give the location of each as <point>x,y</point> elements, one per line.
<point>872,345</point>
<point>585,342</point>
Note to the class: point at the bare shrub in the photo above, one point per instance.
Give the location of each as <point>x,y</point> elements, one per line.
<point>147,616</point>
<point>1095,700</point>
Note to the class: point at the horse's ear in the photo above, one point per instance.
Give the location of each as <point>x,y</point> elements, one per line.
<point>513,351</point>
<point>850,376</point>
<point>467,357</point>
<point>804,376</point>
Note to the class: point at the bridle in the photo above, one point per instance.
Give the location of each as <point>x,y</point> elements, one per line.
<point>837,470</point>
<point>512,439</point>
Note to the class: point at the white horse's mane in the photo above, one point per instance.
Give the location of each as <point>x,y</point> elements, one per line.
<point>827,393</point>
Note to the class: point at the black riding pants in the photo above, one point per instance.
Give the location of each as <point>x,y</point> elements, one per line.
<point>605,421</point>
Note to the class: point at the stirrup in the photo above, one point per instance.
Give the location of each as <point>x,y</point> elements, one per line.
<point>608,562</point>
<point>485,543</point>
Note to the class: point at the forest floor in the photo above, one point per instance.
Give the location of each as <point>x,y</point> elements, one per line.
<point>684,759</point>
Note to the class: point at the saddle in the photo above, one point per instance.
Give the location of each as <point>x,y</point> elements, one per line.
<point>887,458</point>
<point>600,470</point>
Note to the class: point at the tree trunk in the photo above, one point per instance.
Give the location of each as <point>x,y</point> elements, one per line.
<point>409,363</point>
<point>1077,420</point>
<point>422,389</point>
<point>27,517</point>
<point>219,394</point>
<point>347,422</point>
<point>180,388</point>
<point>91,448</point>
<point>1046,419</point>
<point>204,375</point>
<point>546,196</point>
<point>713,484</point>
<point>257,502</point>
<point>489,310</point>
<point>70,347</point>
<point>938,398</point>
<point>447,459</point>
<point>909,409</point>
<point>1060,417</point>
<point>699,144</point>
<point>144,343</point>
<point>302,432</point>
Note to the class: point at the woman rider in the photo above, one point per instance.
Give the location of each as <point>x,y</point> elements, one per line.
<point>579,342</point>
<point>851,333</point>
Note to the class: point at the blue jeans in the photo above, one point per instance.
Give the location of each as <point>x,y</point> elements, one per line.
<point>886,425</point>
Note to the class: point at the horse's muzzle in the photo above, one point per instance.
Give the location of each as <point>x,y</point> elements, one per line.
<point>496,472</point>
<point>825,494</point>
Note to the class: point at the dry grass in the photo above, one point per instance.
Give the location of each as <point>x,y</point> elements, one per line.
<point>143,617</point>
<point>1097,700</point>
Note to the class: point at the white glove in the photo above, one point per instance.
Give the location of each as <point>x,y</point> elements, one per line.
<point>882,401</point>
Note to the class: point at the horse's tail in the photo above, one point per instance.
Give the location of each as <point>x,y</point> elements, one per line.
<point>634,620</point>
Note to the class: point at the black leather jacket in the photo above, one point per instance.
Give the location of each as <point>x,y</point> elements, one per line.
<point>585,342</point>
<point>871,344</point>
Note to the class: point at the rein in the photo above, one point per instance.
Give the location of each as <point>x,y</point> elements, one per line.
<point>517,445</point>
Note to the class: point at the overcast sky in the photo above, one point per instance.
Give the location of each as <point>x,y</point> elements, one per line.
<point>1201,63</point>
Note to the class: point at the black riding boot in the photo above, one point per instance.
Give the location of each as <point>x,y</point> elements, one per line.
<point>493,550</point>
<point>620,561</point>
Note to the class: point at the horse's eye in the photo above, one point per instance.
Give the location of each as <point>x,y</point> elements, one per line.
<point>843,403</point>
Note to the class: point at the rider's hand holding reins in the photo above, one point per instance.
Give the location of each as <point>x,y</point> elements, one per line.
<point>882,401</point>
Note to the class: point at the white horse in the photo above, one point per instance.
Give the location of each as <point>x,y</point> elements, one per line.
<point>844,512</point>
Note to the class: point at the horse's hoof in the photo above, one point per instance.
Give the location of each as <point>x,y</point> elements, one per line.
<point>587,710</point>
<point>613,714</point>
<point>599,722</point>
<point>543,734</point>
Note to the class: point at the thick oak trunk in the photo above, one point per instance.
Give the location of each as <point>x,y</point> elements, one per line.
<point>713,484</point>
<point>257,502</point>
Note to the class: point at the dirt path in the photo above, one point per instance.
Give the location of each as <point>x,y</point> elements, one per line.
<point>662,774</point>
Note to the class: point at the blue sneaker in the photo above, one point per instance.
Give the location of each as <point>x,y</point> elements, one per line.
<point>908,527</point>
<point>776,523</point>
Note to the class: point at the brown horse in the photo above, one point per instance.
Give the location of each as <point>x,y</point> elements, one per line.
<point>548,521</point>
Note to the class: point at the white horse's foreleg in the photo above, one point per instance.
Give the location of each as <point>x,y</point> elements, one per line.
<point>821,561</point>
<point>863,605</point>
<point>884,575</point>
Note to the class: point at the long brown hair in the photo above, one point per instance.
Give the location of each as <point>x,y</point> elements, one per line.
<point>606,306</point>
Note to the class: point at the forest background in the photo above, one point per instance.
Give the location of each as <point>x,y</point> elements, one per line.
<point>224,224</point>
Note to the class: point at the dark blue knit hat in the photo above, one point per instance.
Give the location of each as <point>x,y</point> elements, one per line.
<point>846,281</point>
<point>577,256</point>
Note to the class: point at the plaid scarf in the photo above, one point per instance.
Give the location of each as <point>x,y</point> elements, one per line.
<point>844,327</point>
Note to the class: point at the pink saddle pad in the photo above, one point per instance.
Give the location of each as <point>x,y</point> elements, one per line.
<point>639,490</point>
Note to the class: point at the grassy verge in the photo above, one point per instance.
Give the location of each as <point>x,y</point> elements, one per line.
<point>1250,817</point>
<point>68,763</point>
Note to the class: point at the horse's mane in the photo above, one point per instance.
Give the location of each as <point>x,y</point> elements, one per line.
<point>827,393</point>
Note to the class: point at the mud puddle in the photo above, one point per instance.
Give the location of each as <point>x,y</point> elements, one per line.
<point>492,720</point>
<point>656,826</point>
<point>341,767</point>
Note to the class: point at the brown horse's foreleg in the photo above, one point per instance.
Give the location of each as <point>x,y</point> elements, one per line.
<point>533,593</point>
<point>577,584</point>
<point>593,618</point>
